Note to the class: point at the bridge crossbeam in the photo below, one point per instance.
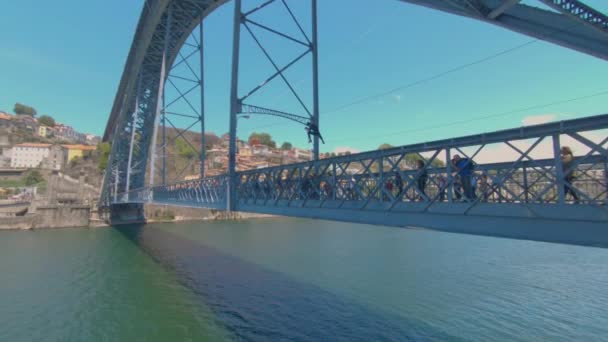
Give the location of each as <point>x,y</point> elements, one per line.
<point>418,185</point>
<point>531,188</point>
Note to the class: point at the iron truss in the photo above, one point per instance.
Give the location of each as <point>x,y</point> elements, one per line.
<point>523,197</point>
<point>165,25</point>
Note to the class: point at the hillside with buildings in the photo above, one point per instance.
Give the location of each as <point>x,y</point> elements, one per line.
<point>259,151</point>
<point>29,143</point>
<point>48,164</point>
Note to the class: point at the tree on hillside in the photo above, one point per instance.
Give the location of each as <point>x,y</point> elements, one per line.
<point>46,120</point>
<point>412,159</point>
<point>211,140</point>
<point>438,163</point>
<point>103,149</point>
<point>22,109</point>
<point>32,177</point>
<point>286,146</point>
<point>254,141</point>
<point>262,139</point>
<point>184,149</point>
<point>385,146</point>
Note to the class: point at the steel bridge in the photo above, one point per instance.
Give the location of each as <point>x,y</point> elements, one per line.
<point>525,191</point>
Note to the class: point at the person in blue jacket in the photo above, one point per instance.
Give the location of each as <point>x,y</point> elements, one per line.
<point>464,168</point>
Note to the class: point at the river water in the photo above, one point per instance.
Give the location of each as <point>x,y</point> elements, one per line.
<point>296,280</point>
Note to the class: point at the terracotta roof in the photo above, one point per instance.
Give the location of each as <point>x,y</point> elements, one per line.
<point>5,116</point>
<point>33,145</point>
<point>80,147</point>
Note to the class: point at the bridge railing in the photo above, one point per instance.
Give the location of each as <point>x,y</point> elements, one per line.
<point>209,192</point>
<point>520,166</point>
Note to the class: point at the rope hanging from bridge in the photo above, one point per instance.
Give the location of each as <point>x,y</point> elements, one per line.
<point>311,128</point>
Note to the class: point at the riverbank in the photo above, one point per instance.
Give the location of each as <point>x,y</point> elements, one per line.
<point>156,213</point>
<point>48,216</point>
<point>78,216</point>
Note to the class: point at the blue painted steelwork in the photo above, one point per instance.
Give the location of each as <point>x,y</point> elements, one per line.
<point>525,192</point>
<point>523,197</point>
<point>209,192</point>
<point>582,12</point>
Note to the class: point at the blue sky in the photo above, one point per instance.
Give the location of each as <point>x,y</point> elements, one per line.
<point>66,60</point>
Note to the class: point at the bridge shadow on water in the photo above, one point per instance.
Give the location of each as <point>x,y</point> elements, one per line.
<point>255,303</point>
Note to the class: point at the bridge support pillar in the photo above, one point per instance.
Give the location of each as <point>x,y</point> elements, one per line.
<point>127,213</point>
<point>315,77</point>
<point>309,116</point>
<point>234,105</point>
<point>160,110</point>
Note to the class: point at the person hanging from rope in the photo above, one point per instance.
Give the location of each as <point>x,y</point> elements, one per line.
<point>313,130</point>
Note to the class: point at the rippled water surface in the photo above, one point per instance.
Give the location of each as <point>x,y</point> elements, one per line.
<point>297,280</point>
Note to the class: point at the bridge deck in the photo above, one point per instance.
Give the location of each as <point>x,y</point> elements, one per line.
<point>525,194</point>
<point>522,186</point>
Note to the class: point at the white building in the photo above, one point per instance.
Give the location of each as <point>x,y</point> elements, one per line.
<point>29,155</point>
<point>92,139</point>
<point>260,150</point>
<point>302,154</point>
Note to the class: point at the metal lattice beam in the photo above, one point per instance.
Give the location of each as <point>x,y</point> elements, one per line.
<point>582,12</point>
<point>577,27</point>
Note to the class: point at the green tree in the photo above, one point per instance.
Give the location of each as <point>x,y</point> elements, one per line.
<point>211,140</point>
<point>385,146</point>
<point>75,162</point>
<point>263,139</point>
<point>32,177</point>
<point>103,150</point>
<point>438,163</point>
<point>412,159</point>
<point>286,146</point>
<point>184,149</point>
<point>47,120</point>
<point>22,109</point>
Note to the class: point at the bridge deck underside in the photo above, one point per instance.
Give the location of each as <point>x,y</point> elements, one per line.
<point>561,223</point>
<point>526,197</point>
<point>542,198</point>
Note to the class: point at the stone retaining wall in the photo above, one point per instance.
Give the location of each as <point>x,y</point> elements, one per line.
<point>49,217</point>
<point>17,222</point>
<point>62,216</point>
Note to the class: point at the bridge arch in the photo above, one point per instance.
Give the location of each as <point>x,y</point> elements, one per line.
<point>149,36</point>
<point>165,26</point>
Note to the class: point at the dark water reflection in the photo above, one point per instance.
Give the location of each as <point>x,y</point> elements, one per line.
<point>296,280</point>
<point>255,303</point>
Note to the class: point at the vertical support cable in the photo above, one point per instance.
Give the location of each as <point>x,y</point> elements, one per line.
<point>115,184</point>
<point>559,170</point>
<point>234,105</point>
<point>526,184</point>
<point>335,185</point>
<point>606,179</point>
<point>132,143</point>
<point>161,91</point>
<point>202,85</point>
<point>381,179</point>
<point>164,146</point>
<point>315,77</point>
<point>450,177</point>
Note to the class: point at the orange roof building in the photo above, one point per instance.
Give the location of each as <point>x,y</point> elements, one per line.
<point>78,151</point>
